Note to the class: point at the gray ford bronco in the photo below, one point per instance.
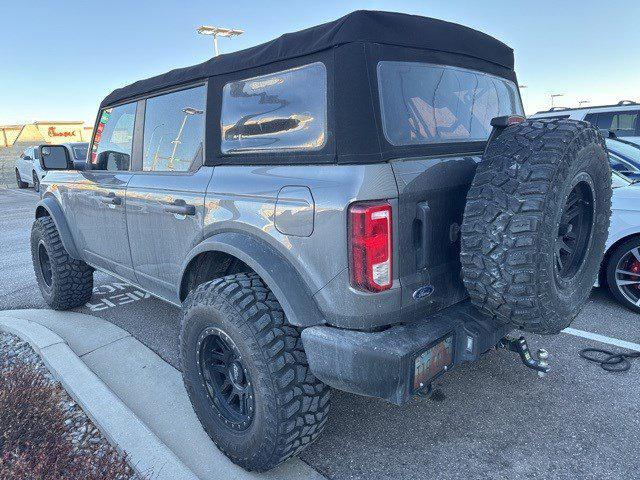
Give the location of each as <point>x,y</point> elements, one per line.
<point>358,205</point>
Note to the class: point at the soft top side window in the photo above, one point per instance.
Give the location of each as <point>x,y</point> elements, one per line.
<point>174,130</point>
<point>278,112</point>
<point>424,104</point>
<point>113,139</point>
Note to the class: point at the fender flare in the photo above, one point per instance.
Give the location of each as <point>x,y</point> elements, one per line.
<point>280,276</point>
<point>51,205</point>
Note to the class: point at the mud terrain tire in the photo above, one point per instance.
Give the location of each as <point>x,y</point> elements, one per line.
<point>65,282</point>
<point>540,183</point>
<point>287,405</point>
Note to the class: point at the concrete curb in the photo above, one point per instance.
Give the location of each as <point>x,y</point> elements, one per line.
<point>147,454</point>
<point>102,365</point>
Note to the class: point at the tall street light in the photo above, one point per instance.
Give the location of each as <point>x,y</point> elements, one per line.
<point>187,113</point>
<point>580,102</point>
<point>218,32</point>
<point>553,97</point>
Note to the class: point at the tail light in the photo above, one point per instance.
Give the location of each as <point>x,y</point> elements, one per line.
<point>370,247</point>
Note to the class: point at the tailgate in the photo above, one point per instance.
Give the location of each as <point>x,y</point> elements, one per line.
<point>432,193</point>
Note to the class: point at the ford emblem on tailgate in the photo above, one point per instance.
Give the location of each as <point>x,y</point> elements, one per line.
<point>423,292</point>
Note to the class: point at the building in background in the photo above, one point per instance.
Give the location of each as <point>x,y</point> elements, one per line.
<point>45,132</point>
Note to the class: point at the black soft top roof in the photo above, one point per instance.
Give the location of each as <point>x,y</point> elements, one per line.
<point>363,26</point>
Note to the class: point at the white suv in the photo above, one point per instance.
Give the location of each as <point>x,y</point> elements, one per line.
<point>28,170</point>
<point>622,118</point>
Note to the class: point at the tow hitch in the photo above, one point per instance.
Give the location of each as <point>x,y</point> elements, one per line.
<point>519,345</point>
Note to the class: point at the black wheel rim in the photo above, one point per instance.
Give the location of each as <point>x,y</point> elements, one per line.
<point>45,265</point>
<point>36,183</point>
<point>574,231</point>
<point>628,276</point>
<point>225,378</point>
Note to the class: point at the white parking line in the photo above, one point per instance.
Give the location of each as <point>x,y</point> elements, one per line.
<point>603,339</point>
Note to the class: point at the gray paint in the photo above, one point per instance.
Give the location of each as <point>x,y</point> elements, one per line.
<point>288,223</point>
<point>295,209</point>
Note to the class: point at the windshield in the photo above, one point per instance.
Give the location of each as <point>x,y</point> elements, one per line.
<point>80,152</point>
<point>425,104</point>
<point>624,159</point>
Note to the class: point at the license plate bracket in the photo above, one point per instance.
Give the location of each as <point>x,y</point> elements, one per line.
<point>433,361</point>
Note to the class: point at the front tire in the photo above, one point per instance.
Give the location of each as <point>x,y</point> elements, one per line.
<point>246,373</point>
<point>36,182</point>
<point>623,273</point>
<point>64,282</point>
<point>19,181</point>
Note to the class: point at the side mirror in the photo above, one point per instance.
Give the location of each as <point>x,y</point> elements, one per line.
<point>55,157</point>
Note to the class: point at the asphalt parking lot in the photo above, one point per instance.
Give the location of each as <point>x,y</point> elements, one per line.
<point>493,419</point>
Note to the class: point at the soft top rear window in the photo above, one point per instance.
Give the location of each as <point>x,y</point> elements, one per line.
<point>425,104</point>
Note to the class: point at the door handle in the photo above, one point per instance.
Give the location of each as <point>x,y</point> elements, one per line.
<point>110,199</point>
<point>180,207</point>
<point>423,217</point>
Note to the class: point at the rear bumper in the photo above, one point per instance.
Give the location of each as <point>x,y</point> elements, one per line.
<point>381,364</point>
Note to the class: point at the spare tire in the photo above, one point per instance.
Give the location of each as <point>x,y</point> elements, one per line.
<point>536,222</point>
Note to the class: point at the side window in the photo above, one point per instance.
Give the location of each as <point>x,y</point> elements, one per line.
<point>174,130</point>
<point>113,140</point>
<point>592,118</point>
<point>622,123</point>
<point>283,111</point>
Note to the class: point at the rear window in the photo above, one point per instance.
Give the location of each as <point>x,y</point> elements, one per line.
<point>283,111</point>
<point>425,104</point>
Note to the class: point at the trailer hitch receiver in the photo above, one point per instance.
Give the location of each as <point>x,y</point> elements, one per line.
<point>519,345</point>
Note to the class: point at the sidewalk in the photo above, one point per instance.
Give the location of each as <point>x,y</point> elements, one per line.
<point>132,395</point>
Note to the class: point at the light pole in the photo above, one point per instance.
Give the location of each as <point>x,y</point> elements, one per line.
<point>553,97</point>
<point>580,102</point>
<point>218,32</point>
<point>187,112</point>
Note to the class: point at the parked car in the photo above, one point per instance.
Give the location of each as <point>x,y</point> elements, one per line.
<point>623,118</point>
<point>359,205</point>
<point>28,170</point>
<point>624,157</point>
<point>620,270</point>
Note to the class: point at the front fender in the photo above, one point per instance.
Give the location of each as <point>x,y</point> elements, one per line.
<point>53,209</point>
<point>275,270</point>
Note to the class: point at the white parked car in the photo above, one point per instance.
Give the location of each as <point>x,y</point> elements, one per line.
<point>622,118</point>
<point>621,265</point>
<point>28,170</point>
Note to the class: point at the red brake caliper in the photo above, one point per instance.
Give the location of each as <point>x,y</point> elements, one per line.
<point>635,268</point>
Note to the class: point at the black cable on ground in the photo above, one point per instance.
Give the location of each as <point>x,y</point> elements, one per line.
<point>608,360</point>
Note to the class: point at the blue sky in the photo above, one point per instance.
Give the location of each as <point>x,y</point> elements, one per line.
<point>60,58</point>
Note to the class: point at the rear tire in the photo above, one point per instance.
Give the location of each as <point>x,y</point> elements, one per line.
<point>64,282</point>
<point>536,223</point>
<point>272,407</point>
<point>625,287</point>
<point>19,181</point>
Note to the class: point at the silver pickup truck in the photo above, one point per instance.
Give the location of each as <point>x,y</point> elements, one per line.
<point>359,205</point>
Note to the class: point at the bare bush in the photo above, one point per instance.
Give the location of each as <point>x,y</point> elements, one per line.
<point>38,435</point>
